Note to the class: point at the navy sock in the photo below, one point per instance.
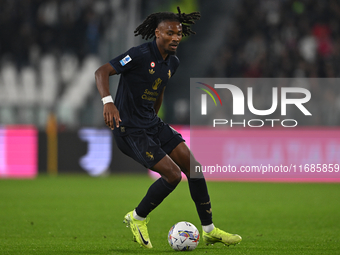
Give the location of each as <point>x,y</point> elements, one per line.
<point>159,190</point>
<point>199,193</point>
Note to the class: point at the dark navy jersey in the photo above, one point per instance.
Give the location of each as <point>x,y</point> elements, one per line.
<point>144,74</point>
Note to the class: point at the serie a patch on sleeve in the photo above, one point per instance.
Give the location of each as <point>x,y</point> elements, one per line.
<point>125,60</point>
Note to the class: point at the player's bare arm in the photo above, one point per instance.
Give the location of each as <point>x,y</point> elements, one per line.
<point>158,103</point>
<point>110,111</point>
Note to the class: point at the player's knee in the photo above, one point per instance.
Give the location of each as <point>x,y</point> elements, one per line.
<point>175,177</point>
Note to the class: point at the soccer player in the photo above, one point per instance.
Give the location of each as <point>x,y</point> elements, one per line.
<point>141,134</point>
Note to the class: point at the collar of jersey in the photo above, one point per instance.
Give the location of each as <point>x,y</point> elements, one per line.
<point>158,54</point>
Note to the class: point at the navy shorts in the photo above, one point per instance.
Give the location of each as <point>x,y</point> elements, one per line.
<point>149,146</point>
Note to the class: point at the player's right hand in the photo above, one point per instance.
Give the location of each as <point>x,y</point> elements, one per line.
<point>111,113</point>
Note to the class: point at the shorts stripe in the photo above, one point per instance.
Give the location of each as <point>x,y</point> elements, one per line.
<point>135,150</point>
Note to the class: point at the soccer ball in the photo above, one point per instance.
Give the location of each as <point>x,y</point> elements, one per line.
<point>183,236</point>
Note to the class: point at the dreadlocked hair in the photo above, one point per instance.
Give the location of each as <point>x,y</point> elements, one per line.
<point>147,28</point>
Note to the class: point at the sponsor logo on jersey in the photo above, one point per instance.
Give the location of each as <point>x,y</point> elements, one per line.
<point>169,74</point>
<point>151,71</point>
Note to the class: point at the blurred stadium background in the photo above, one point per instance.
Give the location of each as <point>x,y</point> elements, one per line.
<point>50,110</point>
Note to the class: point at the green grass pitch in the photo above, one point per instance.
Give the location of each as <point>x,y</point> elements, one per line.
<point>72,214</point>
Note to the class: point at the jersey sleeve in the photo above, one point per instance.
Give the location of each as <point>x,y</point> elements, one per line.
<point>126,61</point>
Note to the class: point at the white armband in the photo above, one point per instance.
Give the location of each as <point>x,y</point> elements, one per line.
<point>107,99</point>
